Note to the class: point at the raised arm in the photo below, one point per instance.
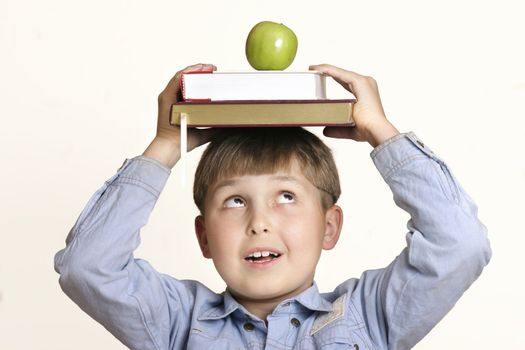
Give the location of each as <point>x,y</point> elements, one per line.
<point>447,245</point>
<point>97,268</point>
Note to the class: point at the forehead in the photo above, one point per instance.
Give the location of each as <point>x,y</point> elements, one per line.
<point>292,179</point>
<point>292,173</point>
<point>240,167</point>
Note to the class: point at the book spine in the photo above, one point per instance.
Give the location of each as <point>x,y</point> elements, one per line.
<point>183,89</point>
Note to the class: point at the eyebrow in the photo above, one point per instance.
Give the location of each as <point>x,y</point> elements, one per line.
<point>231,182</point>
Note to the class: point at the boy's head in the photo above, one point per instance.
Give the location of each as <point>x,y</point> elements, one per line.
<point>267,201</point>
<point>251,151</point>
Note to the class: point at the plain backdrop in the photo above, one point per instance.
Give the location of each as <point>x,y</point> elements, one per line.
<point>79,82</point>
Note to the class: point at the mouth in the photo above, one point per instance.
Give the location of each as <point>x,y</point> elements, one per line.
<point>261,257</point>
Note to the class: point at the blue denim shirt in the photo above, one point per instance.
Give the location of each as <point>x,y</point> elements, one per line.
<point>389,308</point>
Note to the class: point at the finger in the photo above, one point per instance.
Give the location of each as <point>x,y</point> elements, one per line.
<point>201,67</point>
<point>173,87</point>
<point>342,76</point>
<point>174,81</point>
<point>346,78</point>
<point>334,71</point>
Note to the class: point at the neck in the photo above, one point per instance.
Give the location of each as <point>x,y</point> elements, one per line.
<point>264,307</point>
<point>259,308</point>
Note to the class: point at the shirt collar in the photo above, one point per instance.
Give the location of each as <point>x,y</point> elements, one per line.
<point>228,305</point>
<point>310,299</point>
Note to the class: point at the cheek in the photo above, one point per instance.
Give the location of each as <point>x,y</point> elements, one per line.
<point>302,216</point>
<point>223,236</point>
<point>302,228</point>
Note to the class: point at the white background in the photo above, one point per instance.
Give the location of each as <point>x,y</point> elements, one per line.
<point>78,89</point>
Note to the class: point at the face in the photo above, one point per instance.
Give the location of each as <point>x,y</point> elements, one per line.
<point>265,233</point>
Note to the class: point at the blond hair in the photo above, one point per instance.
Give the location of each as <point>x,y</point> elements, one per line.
<point>248,151</point>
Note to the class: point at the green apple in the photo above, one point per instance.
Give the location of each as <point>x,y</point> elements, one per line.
<point>271,46</point>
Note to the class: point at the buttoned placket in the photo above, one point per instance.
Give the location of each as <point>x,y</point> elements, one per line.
<point>284,325</point>
<point>254,332</point>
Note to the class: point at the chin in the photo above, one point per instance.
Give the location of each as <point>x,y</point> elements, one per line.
<point>265,292</point>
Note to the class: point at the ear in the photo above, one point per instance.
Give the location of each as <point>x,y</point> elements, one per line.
<point>333,225</point>
<point>200,231</point>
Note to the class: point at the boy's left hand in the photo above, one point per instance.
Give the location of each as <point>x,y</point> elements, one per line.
<point>172,94</point>
<point>371,124</point>
<point>165,147</point>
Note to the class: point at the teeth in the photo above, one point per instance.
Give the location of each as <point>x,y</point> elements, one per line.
<point>262,254</point>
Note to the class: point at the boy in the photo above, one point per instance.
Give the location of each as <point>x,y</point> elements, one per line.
<point>268,207</point>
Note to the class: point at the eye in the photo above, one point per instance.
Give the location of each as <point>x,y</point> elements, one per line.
<point>286,197</point>
<point>234,202</point>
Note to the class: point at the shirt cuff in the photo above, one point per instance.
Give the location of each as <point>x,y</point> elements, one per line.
<point>144,171</point>
<point>399,150</point>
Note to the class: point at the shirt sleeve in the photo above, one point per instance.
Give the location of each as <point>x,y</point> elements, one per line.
<point>447,247</point>
<point>99,272</point>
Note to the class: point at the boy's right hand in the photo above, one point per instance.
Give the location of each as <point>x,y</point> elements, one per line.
<point>166,145</point>
<point>371,124</point>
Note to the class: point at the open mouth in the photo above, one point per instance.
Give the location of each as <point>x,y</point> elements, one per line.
<point>262,257</point>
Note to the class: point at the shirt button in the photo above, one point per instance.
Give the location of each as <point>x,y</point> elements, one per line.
<point>295,322</point>
<point>421,144</point>
<point>249,327</point>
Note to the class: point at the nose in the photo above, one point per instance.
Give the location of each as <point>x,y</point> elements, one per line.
<point>255,231</point>
<point>259,223</point>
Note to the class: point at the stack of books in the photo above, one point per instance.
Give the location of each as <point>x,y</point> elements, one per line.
<point>262,98</point>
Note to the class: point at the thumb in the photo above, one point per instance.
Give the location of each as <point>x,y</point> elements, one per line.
<point>340,132</point>
<point>345,132</point>
<point>201,136</point>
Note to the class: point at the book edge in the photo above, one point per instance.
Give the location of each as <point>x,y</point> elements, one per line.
<point>256,102</point>
<point>349,124</point>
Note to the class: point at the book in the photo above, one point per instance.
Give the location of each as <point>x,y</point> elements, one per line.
<point>263,113</point>
<point>251,86</point>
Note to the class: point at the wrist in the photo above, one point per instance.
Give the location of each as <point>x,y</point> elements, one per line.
<point>377,134</point>
<point>163,150</point>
